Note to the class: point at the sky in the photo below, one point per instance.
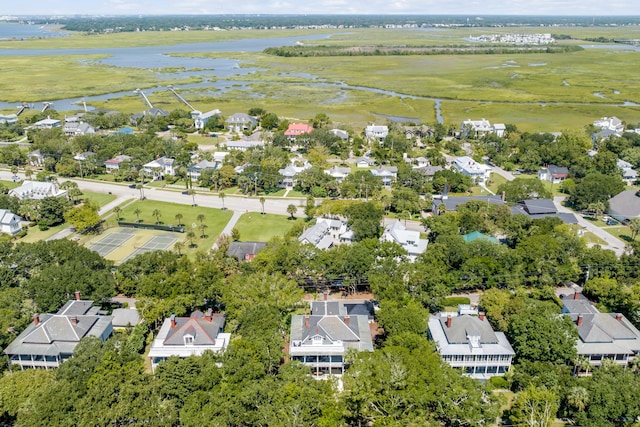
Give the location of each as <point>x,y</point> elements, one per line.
<point>377,7</point>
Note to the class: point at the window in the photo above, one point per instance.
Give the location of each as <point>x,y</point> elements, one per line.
<point>188,340</point>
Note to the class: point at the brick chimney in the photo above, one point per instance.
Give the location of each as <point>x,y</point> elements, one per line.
<point>306,321</point>
<point>619,317</point>
<point>74,320</point>
<point>325,296</point>
<point>36,319</point>
<point>576,295</point>
<point>208,316</point>
<point>347,319</point>
<point>173,321</point>
<point>77,295</point>
<point>579,321</point>
<point>481,315</point>
<point>449,320</point>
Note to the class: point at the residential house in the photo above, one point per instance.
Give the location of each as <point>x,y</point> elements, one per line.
<point>125,318</point>
<point>219,156</point>
<point>409,240</point>
<point>321,340</point>
<point>467,166</point>
<point>77,128</point>
<point>421,131</point>
<point>475,128</point>
<point>429,171</point>
<point>196,169</point>
<point>326,232</point>
<point>553,174</point>
<point>296,129</point>
<point>10,119</point>
<point>125,131</point>
<point>245,251</point>
<point>36,158</point>
<point>240,122</point>
<point>612,123</point>
<point>376,132</point>
<point>450,204</point>
<point>542,208</point>
<point>469,343</point>
<point>338,173</point>
<point>365,162</point>
<point>421,162</point>
<point>113,165</point>
<point>189,336</point>
<point>499,129</point>
<point>160,167</point>
<point>9,222</point>
<point>35,190</point>
<point>603,135</point>
<point>289,173</point>
<point>84,156</point>
<point>625,206</point>
<point>52,338</point>
<point>387,174</point>
<point>200,119</point>
<point>243,145</point>
<point>628,173</point>
<point>342,134</point>
<point>601,335</point>
<point>47,123</point>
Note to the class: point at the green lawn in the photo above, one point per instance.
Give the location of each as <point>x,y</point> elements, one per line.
<point>9,184</point>
<point>35,235</point>
<point>495,182</point>
<point>261,228</point>
<point>621,232</point>
<point>100,198</point>
<point>215,219</point>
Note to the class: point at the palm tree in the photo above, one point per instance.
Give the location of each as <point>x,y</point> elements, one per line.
<point>202,228</point>
<point>597,208</point>
<point>139,187</point>
<point>179,218</point>
<point>634,226</point>
<point>28,172</point>
<point>156,213</point>
<point>262,200</point>
<point>190,236</point>
<point>117,211</point>
<point>201,218</point>
<point>291,210</point>
<point>137,212</point>
<point>178,246</point>
<point>192,192</point>
<point>222,195</point>
<point>578,398</point>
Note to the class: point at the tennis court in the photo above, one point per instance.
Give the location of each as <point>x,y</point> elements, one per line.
<point>156,243</point>
<point>111,242</point>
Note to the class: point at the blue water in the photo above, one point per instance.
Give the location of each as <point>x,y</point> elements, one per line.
<point>25,31</point>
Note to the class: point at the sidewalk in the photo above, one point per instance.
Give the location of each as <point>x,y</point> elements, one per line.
<point>227,229</point>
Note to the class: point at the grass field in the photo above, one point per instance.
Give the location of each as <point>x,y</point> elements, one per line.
<point>261,228</point>
<point>621,232</point>
<point>9,184</point>
<point>100,198</point>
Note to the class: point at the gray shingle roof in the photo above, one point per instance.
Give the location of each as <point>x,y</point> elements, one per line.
<point>204,331</point>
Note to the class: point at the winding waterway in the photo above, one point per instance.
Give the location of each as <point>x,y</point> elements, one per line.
<point>219,74</point>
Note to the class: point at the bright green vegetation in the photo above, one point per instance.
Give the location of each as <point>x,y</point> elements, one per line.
<point>38,78</point>
<point>621,232</point>
<point>261,228</point>
<point>215,220</point>
<point>9,184</point>
<point>100,199</point>
<point>36,235</point>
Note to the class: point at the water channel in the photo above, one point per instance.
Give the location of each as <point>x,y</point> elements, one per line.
<point>216,73</point>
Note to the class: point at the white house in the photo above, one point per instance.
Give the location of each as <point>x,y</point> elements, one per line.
<point>611,123</point>
<point>52,338</point>
<point>160,167</point>
<point>365,162</point>
<point>9,222</point>
<point>387,174</point>
<point>195,170</point>
<point>326,232</point>
<point>200,119</point>
<point>469,343</point>
<point>77,128</point>
<point>475,128</point>
<point>289,173</point>
<point>112,165</point>
<point>239,122</point>
<point>243,145</point>
<point>409,240</point>
<point>628,173</point>
<point>35,190</point>
<point>321,340</point>
<point>9,119</point>
<point>377,132</point>
<point>189,336</point>
<point>338,173</point>
<point>47,123</point>
<point>467,166</point>
<point>554,174</point>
